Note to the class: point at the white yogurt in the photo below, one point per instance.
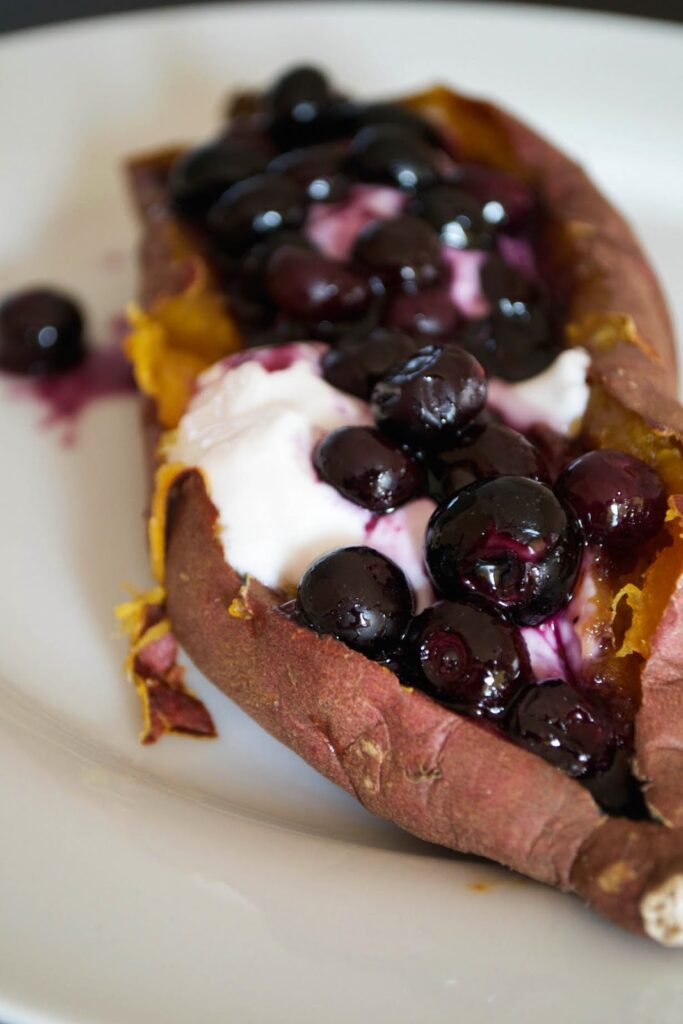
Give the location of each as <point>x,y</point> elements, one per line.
<point>252,432</point>
<point>558,396</point>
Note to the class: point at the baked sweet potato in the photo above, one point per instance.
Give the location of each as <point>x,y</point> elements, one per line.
<point>434,772</point>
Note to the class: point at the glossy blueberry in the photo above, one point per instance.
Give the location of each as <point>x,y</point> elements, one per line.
<point>428,314</point>
<point>310,286</point>
<point>505,202</point>
<point>368,468</point>
<point>509,541</point>
<point>618,499</point>
<point>514,347</point>
<point>428,399</point>
<point>455,214</point>
<point>465,656</point>
<point>395,115</point>
<point>199,176</point>
<point>505,286</point>
<point>344,118</point>
<point>482,452</point>
<point>359,360</point>
<point>404,252</point>
<point>553,720</point>
<point>295,104</point>
<point>254,208</point>
<point>41,332</point>
<point>255,262</point>
<point>317,169</point>
<point>359,596</point>
<point>391,155</point>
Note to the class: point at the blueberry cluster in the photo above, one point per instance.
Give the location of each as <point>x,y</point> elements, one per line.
<point>504,548</point>
<point>300,147</point>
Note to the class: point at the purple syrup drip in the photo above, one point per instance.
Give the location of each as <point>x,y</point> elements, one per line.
<point>64,397</point>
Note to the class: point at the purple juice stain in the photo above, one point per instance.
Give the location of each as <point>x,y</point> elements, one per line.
<point>104,373</point>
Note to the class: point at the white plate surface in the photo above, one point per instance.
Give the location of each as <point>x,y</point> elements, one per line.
<point>226,881</point>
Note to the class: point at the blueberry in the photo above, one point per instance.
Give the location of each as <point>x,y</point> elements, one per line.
<point>199,176</point>
<point>369,469</point>
<point>343,118</point>
<point>295,104</point>
<point>359,360</point>
<point>403,251</point>
<point>255,262</point>
<point>317,169</point>
<point>505,202</point>
<point>310,286</point>
<point>509,541</point>
<point>392,155</point>
<point>254,208</point>
<point>618,499</point>
<point>427,400</point>
<point>397,116</point>
<point>428,314</point>
<point>359,596</point>
<point>455,214</point>
<point>556,722</point>
<point>465,656</point>
<point>505,286</point>
<point>482,452</point>
<point>41,332</point>
<point>513,347</point>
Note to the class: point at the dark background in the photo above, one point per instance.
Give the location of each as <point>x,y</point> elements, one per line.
<point>16,14</point>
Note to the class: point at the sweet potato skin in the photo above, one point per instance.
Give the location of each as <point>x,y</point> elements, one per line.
<point>168,256</point>
<point>442,777</point>
<point>624,861</point>
<point>659,724</point>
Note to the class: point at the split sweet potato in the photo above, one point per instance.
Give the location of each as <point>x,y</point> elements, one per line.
<point>439,775</point>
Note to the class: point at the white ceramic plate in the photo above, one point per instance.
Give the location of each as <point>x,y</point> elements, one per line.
<point>226,881</point>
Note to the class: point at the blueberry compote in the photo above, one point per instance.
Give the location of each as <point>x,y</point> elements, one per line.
<point>359,225</point>
<point>301,149</point>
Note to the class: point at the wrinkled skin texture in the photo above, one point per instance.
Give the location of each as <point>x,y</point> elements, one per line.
<point>404,756</point>
<point>445,778</point>
<point>438,775</point>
